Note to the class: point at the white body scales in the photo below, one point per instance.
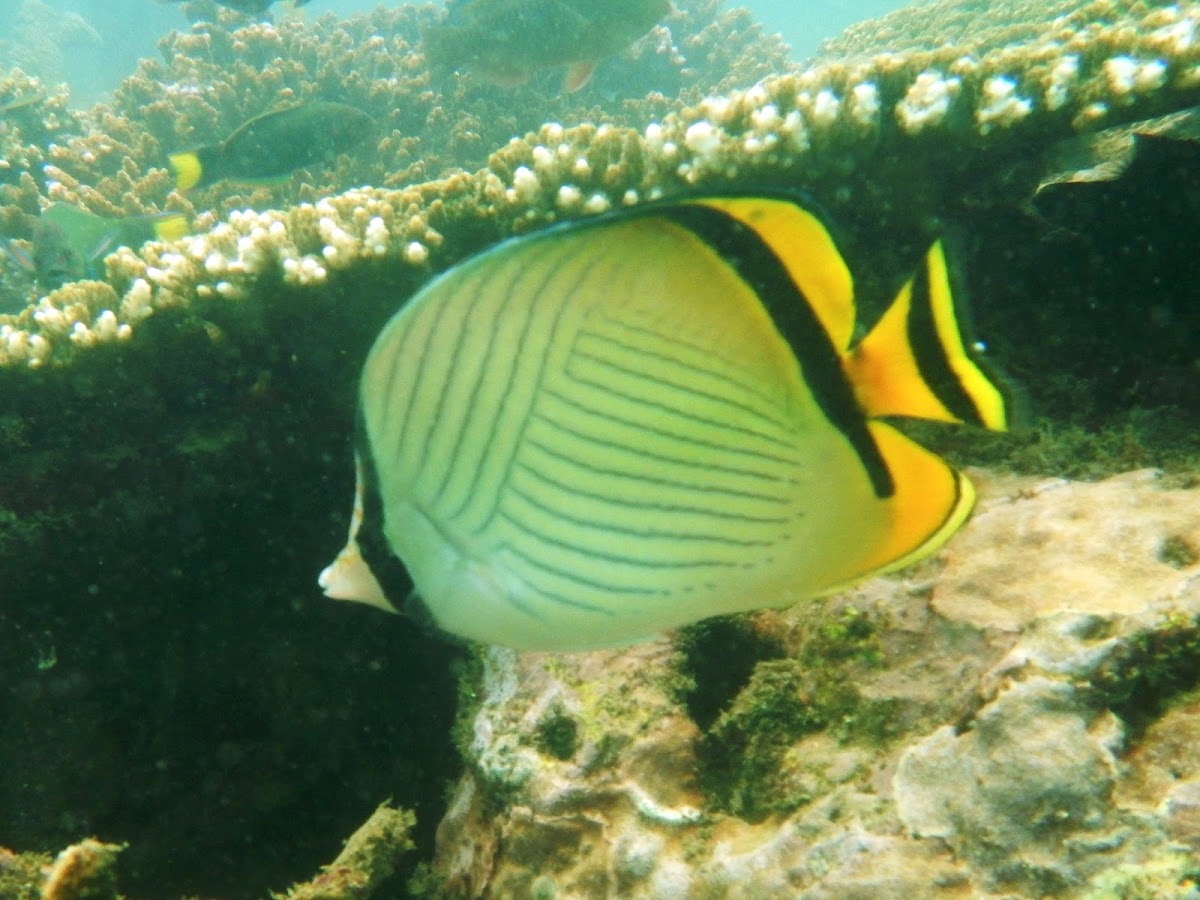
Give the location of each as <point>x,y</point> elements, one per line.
<point>585,437</point>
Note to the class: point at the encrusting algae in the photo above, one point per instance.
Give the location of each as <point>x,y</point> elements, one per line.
<point>202,391</point>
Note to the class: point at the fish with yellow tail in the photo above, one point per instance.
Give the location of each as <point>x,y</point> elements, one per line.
<point>586,436</point>
<point>269,147</point>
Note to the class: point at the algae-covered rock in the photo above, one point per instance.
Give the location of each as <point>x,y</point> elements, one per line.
<point>1053,760</point>
<point>1033,771</point>
<point>1130,535</point>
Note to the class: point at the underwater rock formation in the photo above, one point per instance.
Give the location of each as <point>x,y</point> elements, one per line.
<point>968,755</point>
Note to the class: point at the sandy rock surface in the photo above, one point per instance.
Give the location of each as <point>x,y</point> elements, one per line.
<point>1040,676</point>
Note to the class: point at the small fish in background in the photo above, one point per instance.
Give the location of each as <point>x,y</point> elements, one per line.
<point>16,275</point>
<point>14,110</point>
<point>249,7</point>
<point>269,147</point>
<point>507,41</point>
<point>71,243</point>
<point>583,437</point>
<point>20,103</point>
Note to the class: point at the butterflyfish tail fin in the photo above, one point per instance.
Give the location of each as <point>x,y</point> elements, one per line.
<point>915,363</point>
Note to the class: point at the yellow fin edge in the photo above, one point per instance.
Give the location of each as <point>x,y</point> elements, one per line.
<point>932,500</point>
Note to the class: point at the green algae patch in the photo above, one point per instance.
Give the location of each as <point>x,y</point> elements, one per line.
<point>716,659</point>
<point>468,672</point>
<point>1169,875</point>
<point>1177,552</point>
<point>746,762</point>
<point>557,734</point>
<point>22,874</point>
<point>1150,671</point>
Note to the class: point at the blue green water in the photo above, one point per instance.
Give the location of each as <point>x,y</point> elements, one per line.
<point>101,40</point>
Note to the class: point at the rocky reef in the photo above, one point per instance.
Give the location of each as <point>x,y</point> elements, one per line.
<point>176,444</point>
<point>1014,719</point>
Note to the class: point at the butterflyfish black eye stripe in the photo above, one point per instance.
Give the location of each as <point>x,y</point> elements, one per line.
<point>794,317</point>
<point>585,436</point>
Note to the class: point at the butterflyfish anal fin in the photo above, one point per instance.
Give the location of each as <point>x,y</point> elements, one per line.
<point>931,501</point>
<point>914,362</point>
<point>806,250</point>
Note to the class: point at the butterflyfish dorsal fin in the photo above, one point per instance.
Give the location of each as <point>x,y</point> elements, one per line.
<point>914,362</point>
<point>803,245</point>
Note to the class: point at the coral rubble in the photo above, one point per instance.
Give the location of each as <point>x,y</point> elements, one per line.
<point>368,859</point>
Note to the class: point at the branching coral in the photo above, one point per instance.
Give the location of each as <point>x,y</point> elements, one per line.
<point>217,75</point>
<point>898,129</point>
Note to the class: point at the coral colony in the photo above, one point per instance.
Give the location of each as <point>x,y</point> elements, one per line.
<point>1078,76</point>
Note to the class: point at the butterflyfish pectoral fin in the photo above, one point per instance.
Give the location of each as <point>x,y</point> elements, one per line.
<point>931,501</point>
<point>914,362</point>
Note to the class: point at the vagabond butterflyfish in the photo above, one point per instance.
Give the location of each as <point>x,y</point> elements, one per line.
<point>583,437</point>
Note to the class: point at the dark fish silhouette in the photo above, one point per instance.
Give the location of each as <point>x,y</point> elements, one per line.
<point>249,7</point>
<point>507,41</point>
<point>271,146</point>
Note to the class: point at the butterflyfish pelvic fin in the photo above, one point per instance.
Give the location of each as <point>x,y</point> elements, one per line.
<point>349,577</point>
<point>914,362</point>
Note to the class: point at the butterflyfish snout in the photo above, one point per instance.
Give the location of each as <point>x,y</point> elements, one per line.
<point>582,437</point>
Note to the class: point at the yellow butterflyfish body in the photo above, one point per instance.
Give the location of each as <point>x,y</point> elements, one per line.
<point>583,437</point>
